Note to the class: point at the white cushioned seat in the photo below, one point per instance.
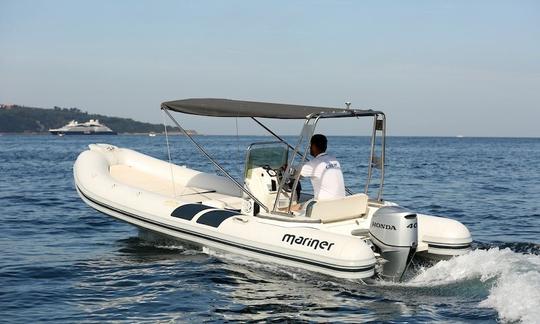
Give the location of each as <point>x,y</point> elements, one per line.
<point>329,211</point>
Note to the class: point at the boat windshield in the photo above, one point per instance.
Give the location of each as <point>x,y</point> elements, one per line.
<point>272,154</point>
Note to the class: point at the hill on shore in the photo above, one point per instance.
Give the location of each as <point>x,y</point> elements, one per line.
<point>20,119</point>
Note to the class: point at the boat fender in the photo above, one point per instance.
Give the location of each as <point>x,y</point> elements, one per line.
<point>394,232</point>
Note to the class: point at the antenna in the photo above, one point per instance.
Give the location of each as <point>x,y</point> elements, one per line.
<point>348,104</point>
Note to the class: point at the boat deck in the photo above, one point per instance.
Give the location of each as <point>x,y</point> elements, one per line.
<point>146,181</point>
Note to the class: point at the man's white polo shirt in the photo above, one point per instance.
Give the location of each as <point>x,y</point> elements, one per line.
<point>326,177</point>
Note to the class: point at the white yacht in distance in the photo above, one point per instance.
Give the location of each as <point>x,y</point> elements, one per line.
<point>91,127</point>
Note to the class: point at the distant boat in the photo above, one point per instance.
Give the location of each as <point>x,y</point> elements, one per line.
<point>152,134</point>
<point>460,136</point>
<point>91,127</point>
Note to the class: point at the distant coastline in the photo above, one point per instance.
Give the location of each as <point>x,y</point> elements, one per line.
<point>17,119</point>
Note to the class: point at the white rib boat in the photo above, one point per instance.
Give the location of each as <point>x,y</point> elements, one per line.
<point>354,237</point>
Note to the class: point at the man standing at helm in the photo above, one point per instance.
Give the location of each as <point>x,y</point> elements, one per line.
<point>324,171</point>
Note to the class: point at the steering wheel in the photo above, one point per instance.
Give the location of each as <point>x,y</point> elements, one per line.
<point>278,173</point>
<point>290,183</point>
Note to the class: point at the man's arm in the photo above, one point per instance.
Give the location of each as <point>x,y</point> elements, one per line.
<point>306,170</point>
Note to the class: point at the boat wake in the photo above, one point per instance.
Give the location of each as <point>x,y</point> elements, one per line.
<point>512,280</point>
<point>504,277</point>
<point>504,280</point>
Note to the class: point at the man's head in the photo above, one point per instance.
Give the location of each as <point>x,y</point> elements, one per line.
<point>318,144</point>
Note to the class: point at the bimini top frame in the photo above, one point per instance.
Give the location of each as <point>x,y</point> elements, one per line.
<point>311,114</point>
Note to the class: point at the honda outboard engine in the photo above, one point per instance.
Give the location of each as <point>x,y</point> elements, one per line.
<point>394,232</point>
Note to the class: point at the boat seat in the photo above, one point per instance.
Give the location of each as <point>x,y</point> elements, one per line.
<point>329,211</point>
<point>143,180</point>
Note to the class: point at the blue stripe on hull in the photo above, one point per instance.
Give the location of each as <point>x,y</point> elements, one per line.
<point>188,211</point>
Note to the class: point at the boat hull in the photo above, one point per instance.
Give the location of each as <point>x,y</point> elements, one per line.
<point>350,271</point>
<point>203,209</point>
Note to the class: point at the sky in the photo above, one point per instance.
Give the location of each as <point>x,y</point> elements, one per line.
<point>436,68</point>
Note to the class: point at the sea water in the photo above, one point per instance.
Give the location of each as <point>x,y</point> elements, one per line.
<point>62,261</point>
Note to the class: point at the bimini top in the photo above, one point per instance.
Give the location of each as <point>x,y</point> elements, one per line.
<point>236,108</point>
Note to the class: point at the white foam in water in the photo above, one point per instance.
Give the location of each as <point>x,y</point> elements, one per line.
<point>516,292</point>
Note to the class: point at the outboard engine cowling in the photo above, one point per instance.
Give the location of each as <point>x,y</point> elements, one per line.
<point>394,232</point>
